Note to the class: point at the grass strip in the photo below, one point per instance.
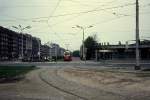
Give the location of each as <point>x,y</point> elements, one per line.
<point>12,72</point>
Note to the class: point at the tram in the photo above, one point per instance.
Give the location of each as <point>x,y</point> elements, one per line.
<point>67,56</point>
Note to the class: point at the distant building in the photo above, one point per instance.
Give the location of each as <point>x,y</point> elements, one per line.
<point>54,50</point>
<point>61,52</point>
<point>51,51</point>
<point>45,52</point>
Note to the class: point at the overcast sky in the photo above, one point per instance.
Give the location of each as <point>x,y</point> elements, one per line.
<point>52,20</point>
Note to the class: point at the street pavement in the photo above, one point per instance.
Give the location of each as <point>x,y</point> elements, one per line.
<point>46,83</point>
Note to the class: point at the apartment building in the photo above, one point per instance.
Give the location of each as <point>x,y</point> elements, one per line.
<point>16,46</point>
<point>8,44</point>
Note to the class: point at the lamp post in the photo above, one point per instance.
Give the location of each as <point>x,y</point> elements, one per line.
<point>20,28</point>
<point>83,31</point>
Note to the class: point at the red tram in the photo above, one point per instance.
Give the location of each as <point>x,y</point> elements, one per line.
<point>67,56</point>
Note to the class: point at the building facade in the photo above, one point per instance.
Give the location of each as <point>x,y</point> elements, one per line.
<point>45,53</point>
<point>110,52</point>
<point>54,50</point>
<point>16,46</point>
<point>61,52</point>
<point>9,46</point>
<point>36,45</point>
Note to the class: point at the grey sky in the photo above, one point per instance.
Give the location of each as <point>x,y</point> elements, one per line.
<point>113,20</point>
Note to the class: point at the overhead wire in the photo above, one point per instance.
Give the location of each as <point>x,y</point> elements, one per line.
<point>100,22</point>
<point>35,19</point>
<point>79,16</point>
<point>82,12</point>
<point>97,3</point>
<point>49,17</point>
<point>118,14</point>
<point>94,10</point>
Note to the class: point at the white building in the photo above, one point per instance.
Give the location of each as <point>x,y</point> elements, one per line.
<point>54,50</point>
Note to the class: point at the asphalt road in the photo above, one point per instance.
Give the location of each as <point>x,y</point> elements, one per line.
<point>47,84</point>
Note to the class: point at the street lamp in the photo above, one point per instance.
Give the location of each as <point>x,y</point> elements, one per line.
<point>20,28</point>
<point>83,30</point>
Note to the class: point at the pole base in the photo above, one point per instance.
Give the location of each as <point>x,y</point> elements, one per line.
<point>137,67</point>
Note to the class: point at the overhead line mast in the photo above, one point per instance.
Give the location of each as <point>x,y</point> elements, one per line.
<point>137,66</point>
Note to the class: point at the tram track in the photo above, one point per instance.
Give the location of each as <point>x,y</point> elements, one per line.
<point>59,88</point>
<point>48,82</point>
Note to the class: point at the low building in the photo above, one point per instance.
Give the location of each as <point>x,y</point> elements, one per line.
<point>124,51</point>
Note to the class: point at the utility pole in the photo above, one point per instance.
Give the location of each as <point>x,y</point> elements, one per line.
<point>84,57</point>
<point>83,48</point>
<point>137,66</point>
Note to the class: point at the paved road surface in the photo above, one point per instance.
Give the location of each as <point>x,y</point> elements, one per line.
<point>47,84</point>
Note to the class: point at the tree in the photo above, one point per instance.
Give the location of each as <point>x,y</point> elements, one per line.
<point>119,43</point>
<point>76,53</point>
<point>90,45</point>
